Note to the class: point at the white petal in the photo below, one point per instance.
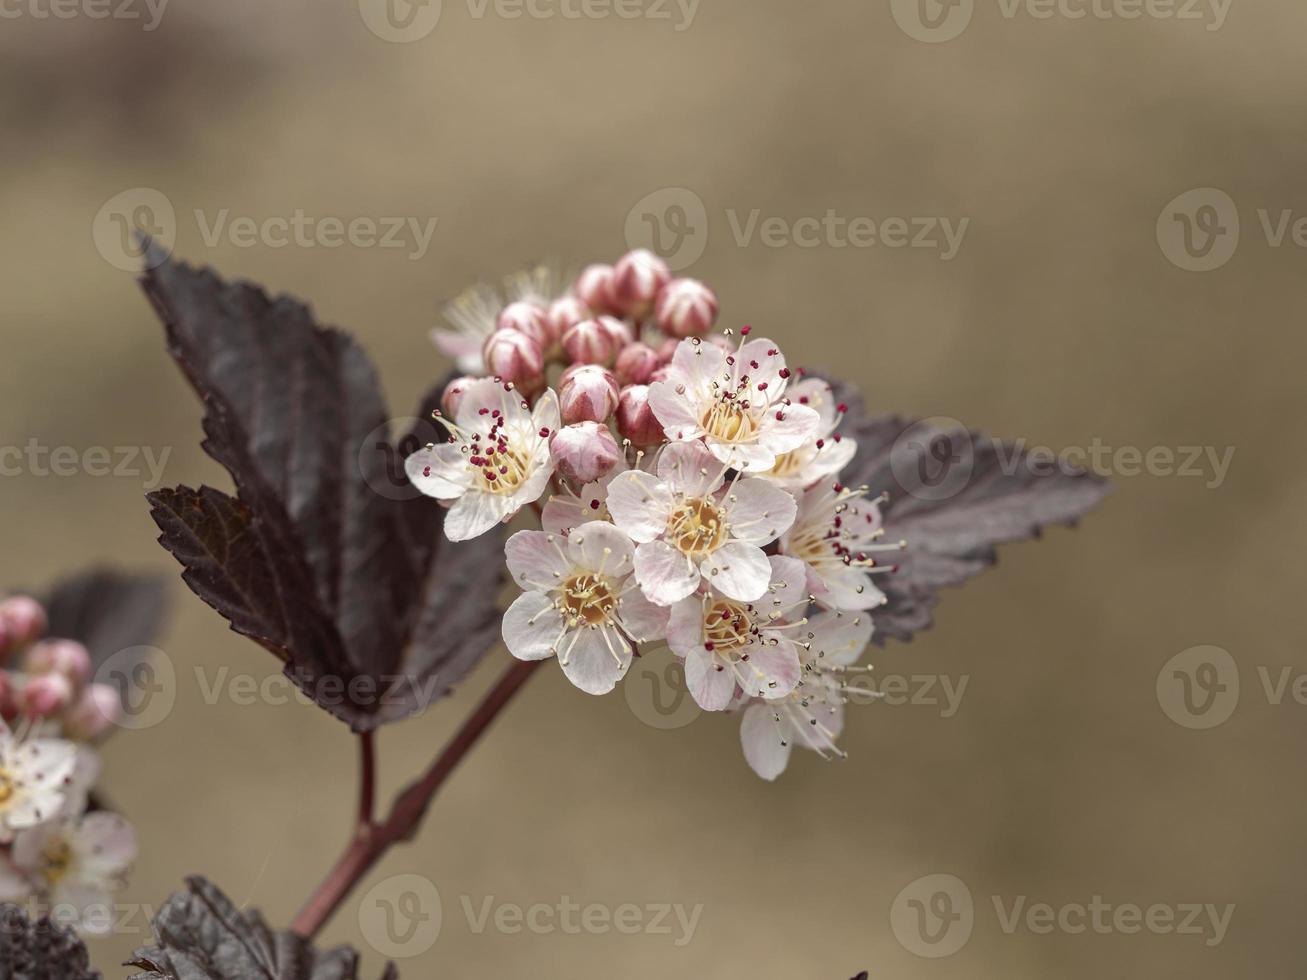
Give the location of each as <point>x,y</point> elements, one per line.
<point>641,505</point>
<point>765,741</point>
<point>536,561</point>
<point>738,570</point>
<point>475,513</point>
<point>596,660</point>
<point>441,471</point>
<point>690,469</point>
<point>788,590</point>
<point>758,511</point>
<point>483,398</point>
<point>546,414</point>
<point>772,670</point>
<point>105,844</point>
<point>531,627</point>
<point>685,627</point>
<point>838,638</point>
<point>769,366</point>
<point>665,575</point>
<point>697,364</point>
<point>598,546</point>
<point>797,425</point>
<point>844,587</point>
<point>674,412</point>
<point>643,621</point>
<point>711,685</point>
<point>746,457</point>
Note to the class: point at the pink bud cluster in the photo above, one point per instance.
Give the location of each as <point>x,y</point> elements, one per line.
<point>612,334</point>
<point>50,680</point>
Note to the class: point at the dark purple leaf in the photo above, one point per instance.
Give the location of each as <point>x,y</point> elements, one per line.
<point>326,555</point>
<point>40,950</point>
<point>107,610</point>
<point>953,495</point>
<point>200,935</point>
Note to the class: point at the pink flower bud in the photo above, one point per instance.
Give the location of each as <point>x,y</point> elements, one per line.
<point>24,620</point>
<point>93,714</point>
<point>66,657</point>
<point>596,341</point>
<point>47,695</point>
<point>453,396</point>
<point>638,277</point>
<point>587,393</point>
<point>636,420</point>
<point>563,314</point>
<point>637,363</point>
<point>686,308</point>
<point>8,697</point>
<point>584,452</point>
<point>526,317</point>
<point>516,358</point>
<point>595,288</point>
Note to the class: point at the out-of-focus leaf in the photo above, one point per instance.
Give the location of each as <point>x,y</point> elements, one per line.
<point>107,610</point>
<point>326,556</point>
<point>200,935</point>
<point>40,950</point>
<point>953,495</point>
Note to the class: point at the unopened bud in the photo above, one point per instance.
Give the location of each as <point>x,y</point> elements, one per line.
<point>46,695</point>
<point>526,317</point>
<point>686,308</point>
<point>24,620</point>
<point>638,277</point>
<point>636,420</point>
<point>565,313</point>
<point>66,657</point>
<point>516,358</point>
<point>93,714</point>
<point>453,396</point>
<point>585,452</point>
<point>636,364</point>
<point>595,288</point>
<point>587,393</point>
<point>8,696</point>
<point>596,341</point>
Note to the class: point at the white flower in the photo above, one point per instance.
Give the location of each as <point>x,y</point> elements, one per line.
<point>32,778</point>
<point>474,315</point>
<point>581,605</point>
<point>825,452</point>
<point>72,865</point>
<point>749,647</point>
<point>565,509</point>
<point>812,715</point>
<point>836,534</point>
<point>495,462</point>
<point>736,403</point>
<point>690,525</point>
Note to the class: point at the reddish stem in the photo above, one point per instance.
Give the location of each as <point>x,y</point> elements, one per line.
<point>367,778</point>
<point>372,840</point>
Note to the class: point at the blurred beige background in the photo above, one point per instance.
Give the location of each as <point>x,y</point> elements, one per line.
<point>1060,319</point>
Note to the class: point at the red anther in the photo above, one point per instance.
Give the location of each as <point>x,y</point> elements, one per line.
<point>745,331</point>
<point>837,437</point>
<point>772,352</point>
<point>710,646</point>
<point>483,411</point>
<point>544,432</point>
<point>754,365</point>
<point>426,471</point>
<point>842,408</point>
<point>762,386</point>
<point>594,505</point>
<point>780,416</point>
<point>821,443</point>
<point>784,373</point>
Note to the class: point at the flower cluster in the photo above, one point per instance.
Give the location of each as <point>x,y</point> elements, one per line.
<point>55,849</point>
<point>688,490</point>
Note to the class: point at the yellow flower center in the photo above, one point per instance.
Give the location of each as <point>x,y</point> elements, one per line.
<point>6,787</point>
<point>502,469</point>
<point>588,599</point>
<point>56,857</point>
<point>696,528</point>
<point>727,627</point>
<point>728,421</point>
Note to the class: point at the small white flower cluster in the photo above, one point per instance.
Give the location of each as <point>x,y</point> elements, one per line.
<point>718,525</point>
<point>52,850</point>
